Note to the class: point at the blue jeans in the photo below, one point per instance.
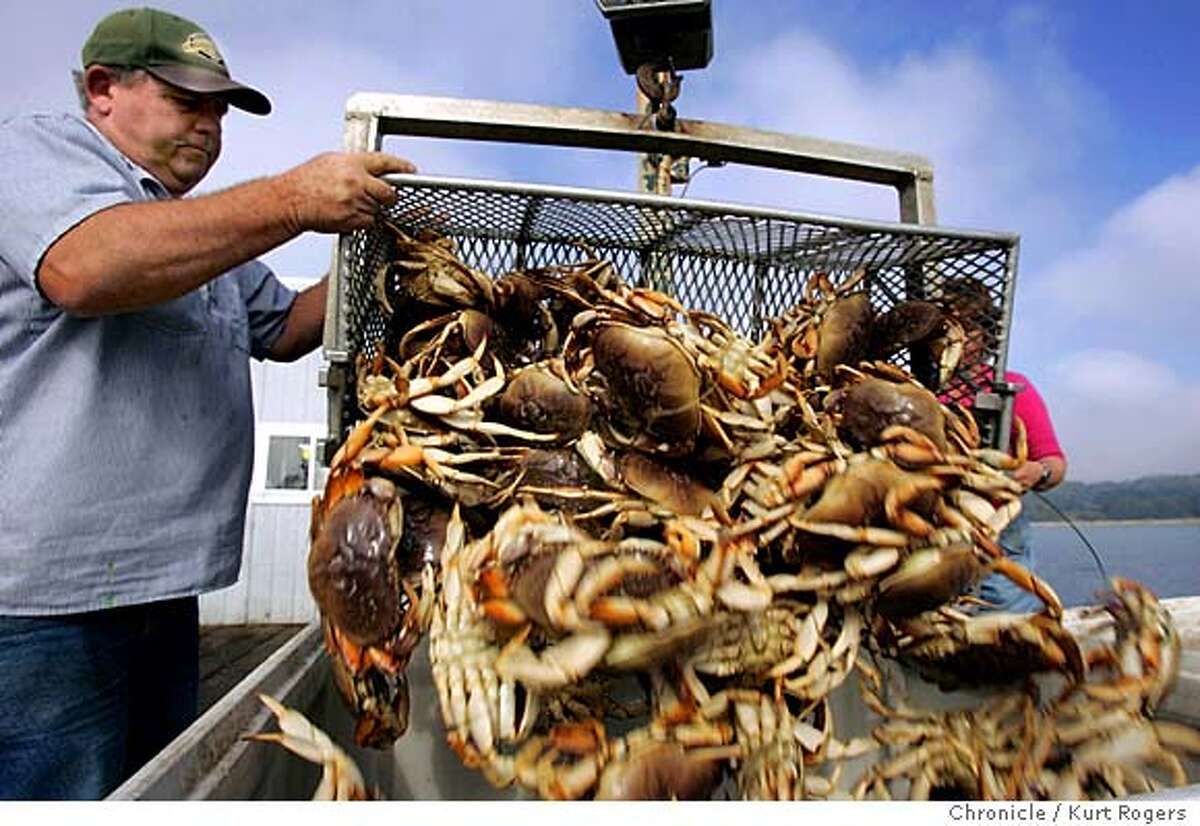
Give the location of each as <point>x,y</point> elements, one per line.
<point>87,699</point>
<point>1000,590</point>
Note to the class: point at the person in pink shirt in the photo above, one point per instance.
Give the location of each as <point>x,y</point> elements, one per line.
<point>1045,468</point>
<point>1046,465</point>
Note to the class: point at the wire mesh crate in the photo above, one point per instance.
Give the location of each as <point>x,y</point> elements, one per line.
<point>744,264</point>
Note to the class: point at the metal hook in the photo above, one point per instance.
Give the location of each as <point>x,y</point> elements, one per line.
<point>660,91</point>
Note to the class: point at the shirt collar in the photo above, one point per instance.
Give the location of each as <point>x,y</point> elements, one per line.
<point>150,183</point>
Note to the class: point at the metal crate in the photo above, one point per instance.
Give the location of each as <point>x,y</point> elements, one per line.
<point>744,264</point>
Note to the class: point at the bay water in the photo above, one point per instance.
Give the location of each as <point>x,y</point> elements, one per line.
<point>1164,556</point>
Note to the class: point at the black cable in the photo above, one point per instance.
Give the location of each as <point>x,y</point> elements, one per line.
<point>707,165</point>
<point>1099,562</point>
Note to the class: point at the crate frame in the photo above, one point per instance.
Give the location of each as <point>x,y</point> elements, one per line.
<point>371,117</point>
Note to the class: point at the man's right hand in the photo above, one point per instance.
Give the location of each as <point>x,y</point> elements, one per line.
<point>339,191</point>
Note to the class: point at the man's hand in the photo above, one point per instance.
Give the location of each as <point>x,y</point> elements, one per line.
<point>339,191</point>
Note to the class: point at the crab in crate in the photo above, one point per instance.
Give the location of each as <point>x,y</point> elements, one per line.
<point>736,366</point>
<point>869,403</point>
<point>425,276</point>
<point>908,323</point>
<point>648,488</point>
<point>621,604</point>
<point>683,540</point>
<point>540,398</point>
<point>371,568</point>
<point>817,508</point>
<point>646,384</point>
<point>938,573</point>
<point>485,715</point>
<point>830,326</point>
<point>537,607</point>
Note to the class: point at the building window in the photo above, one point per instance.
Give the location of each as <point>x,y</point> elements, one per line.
<point>289,463</point>
<point>288,460</point>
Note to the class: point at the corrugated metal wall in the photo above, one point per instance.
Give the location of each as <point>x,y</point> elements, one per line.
<point>273,586</point>
<point>288,392</point>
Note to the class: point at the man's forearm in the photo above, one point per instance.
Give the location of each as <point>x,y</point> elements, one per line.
<point>137,255</point>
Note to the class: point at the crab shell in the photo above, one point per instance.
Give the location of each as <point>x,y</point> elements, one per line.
<point>992,646</point>
<point>845,332</point>
<point>426,275</point>
<point>530,328</point>
<point>929,577</point>
<point>425,524</point>
<point>538,400</point>
<point>655,382</point>
<point>667,486</point>
<point>858,495</point>
<point>660,771</point>
<point>352,570</point>
<point>873,405</point>
<point>561,479</point>
<point>473,326</point>
<point>908,323</point>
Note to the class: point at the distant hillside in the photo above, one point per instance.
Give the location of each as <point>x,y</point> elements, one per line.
<point>1151,497</point>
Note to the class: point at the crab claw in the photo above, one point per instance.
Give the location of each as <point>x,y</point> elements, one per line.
<point>341,779</point>
<point>560,664</point>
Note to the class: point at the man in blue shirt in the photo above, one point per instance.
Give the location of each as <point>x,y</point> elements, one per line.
<point>127,317</point>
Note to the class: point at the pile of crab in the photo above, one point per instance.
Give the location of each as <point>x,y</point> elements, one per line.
<point>655,559</point>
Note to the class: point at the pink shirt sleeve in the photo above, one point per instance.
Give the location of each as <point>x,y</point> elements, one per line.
<point>1039,430</point>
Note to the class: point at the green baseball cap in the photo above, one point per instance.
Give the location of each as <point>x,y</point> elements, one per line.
<point>172,49</point>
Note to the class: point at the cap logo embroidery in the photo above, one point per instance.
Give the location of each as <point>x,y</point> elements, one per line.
<point>201,45</point>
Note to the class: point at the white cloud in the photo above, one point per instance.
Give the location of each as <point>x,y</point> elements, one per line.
<point>1114,376</point>
<point>1140,272</point>
<point>1129,404</point>
<point>1120,415</point>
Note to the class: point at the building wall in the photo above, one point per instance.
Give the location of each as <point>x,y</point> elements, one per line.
<point>273,584</point>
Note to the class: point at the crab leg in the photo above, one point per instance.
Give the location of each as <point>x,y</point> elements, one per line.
<point>340,777</point>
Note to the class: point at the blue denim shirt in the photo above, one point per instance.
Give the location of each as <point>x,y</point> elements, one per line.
<point>126,440</point>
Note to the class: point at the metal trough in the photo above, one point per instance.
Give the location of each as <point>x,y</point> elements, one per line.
<point>211,761</point>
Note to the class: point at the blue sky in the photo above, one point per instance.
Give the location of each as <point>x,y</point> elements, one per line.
<point>1074,124</point>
